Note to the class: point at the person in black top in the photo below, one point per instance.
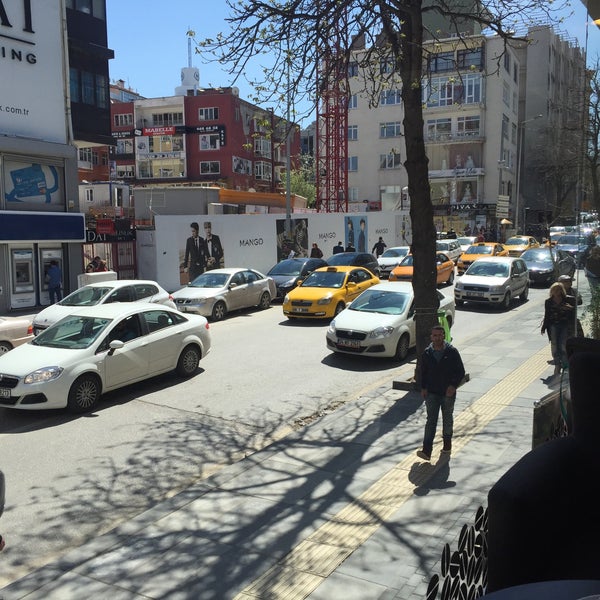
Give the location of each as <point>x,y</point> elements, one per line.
<point>339,248</point>
<point>379,248</point>
<point>442,371</point>
<point>558,311</point>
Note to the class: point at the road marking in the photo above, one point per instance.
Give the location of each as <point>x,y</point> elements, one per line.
<point>309,563</point>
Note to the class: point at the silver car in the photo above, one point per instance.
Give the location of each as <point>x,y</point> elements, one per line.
<point>220,291</point>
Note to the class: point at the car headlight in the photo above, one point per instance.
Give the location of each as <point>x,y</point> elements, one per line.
<point>286,299</point>
<point>458,286</point>
<point>326,300</point>
<point>496,289</point>
<point>331,328</point>
<point>42,375</point>
<point>381,332</point>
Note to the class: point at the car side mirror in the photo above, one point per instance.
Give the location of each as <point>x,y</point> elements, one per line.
<point>351,284</point>
<point>232,285</point>
<point>115,345</point>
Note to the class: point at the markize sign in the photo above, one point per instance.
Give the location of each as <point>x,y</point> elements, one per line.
<point>158,131</point>
<point>32,59</point>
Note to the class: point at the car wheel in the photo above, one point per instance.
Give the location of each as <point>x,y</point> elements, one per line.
<point>84,393</point>
<point>459,302</point>
<point>505,304</point>
<point>187,365</point>
<point>339,308</point>
<point>5,347</point>
<point>402,347</point>
<point>523,297</point>
<point>265,301</point>
<point>450,278</point>
<point>219,311</point>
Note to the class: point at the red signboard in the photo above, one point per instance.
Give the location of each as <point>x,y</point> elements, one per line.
<point>106,226</point>
<point>159,131</point>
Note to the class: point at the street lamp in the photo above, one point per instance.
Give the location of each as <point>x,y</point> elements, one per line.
<point>520,136</point>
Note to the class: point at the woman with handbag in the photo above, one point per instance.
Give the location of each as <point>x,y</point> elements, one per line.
<point>557,313</point>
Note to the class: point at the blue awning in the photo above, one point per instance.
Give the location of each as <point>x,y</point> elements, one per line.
<point>22,226</point>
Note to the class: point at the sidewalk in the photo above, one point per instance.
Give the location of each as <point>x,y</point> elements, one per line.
<point>340,510</point>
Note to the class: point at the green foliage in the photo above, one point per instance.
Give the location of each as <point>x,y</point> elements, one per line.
<point>591,317</point>
<point>302,180</point>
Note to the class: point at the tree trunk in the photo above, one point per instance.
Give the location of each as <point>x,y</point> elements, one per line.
<point>421,209</point>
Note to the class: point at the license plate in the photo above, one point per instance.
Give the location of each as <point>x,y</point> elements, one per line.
<point>476,294</point>
<point>4,393</point>
<point>349,343</point>
<point>301,310</point>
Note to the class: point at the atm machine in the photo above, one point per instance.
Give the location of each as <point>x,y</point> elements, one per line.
<point>45,256</point>
<point>22,292</point>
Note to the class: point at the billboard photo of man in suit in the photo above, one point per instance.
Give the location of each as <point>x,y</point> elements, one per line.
<point>214,249</point>
<point>195,253</point>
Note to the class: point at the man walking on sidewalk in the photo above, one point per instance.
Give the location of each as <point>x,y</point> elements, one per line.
<point>442,370</point>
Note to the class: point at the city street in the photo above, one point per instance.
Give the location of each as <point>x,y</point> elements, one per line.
<point>71,478</point>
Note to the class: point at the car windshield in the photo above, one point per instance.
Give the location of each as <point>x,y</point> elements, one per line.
<point>537,255</point>
<point>394,253</point>
<point>381,301</point>
<point>407,261</point>
<point>570,240</point>
<point>72,332</point>
<point>210,280</point>
<point>86,296</point>
<point>516,241</point>
<point>325,279</point>
<point>442,245</point>
<point>479,250</point>
<point>287,267</point>
<point>343,258</point>
<point>465,241</point>
<point>488,269</point>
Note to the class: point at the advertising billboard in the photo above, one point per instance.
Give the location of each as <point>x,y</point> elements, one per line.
<point>32,60</point>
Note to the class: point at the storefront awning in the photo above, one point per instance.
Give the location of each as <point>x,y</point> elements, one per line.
<point>24,226</point>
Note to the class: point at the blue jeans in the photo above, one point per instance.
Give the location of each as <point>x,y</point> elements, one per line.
<point>433,404</point>
<point>558,342</point>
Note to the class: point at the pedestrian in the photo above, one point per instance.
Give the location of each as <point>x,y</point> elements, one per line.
<point>557,313</point>
<point>195,253</point>
<point>316,252</point>
<point>574,299</point>
<point>442,371</point>
<point>379,248</point>
<point>592,268</point>
<point>339,248</point>
<point>54,282</point>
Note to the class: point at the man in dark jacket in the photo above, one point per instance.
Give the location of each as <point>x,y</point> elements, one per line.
<point>442,370</point>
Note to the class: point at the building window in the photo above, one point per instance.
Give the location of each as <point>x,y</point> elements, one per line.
<point>210,141</point>
<point>389,97</point>
<point>101,91</point>
<point>167,119</point>
<point>469,58</point>
<point>352,132</point>
<point>85,155</point>
<point>353,69</point>
<point>390,161</point>
<point>124,147</point>
<point>506,95</point>
<point>507,61</point>
<point>262,147</point>
<point>513,133</point>
<point>210,167</point>
<point>74,85</point>
<point>387,65</point>
<point>263,170</point>
<point>208,114</point>
<point>391,129</point>
<point>352,194</point>
<point>88,88</point>
<point>89,195</point>
<point>353,163</point>
<point>89,7</point>
<point>439,129</point>
<point>442,62</point>
<point>505,123</point>
<point>123,120</point>
<point>353,101</point>
<point>467,126</point>
<point>445,91</point>
<point>88,95</point>
<point>125,171</point>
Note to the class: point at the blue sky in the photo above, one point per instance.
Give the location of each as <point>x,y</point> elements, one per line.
<point>150,43</point>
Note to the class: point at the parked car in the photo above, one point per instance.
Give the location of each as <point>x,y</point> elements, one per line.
<point>355,259</point>
<point>391,258</point>
<point>576,245</point>
<point>218,292</point>
<point>327,291</point>
<point>102,292</point>
<point>381,322</point>
<point>451,248</point>
<point>101,348</point>
<point>14,331</point>
<point>541,264</point>
<point>517,244</point>
<point>465,241</point>
<point>479,250</point>
<point>494,280</point>
<point>445,269</point>
<point>287,272</point>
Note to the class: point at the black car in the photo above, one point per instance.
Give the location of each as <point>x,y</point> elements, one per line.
<point>355,259</point>
<point>576,245</point>
<point>288,272</point>
<point>547,264</point>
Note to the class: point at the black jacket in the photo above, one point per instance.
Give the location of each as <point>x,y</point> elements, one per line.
<point>437,376</point>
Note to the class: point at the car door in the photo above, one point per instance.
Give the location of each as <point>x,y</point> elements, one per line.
<point>237,296</point>
<point>164,340</point>
<point>129,363</point>
<point>518,279</point>
<point>444,265</point>
<point>146,292</point>
<point>362,279</point>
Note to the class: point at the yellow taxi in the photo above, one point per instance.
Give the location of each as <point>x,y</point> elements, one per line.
<point>444,265</point>
<point>327,291</point>
<point>517,244</point>
<point>479,250</point>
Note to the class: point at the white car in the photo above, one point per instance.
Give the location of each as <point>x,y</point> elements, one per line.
<point>220,291</point>
<point>101,348</point>
<point>451,248</point>
<point>381,322</point>
<point>14,331</point>
<point>102,292</point>
<point>391,258</point>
